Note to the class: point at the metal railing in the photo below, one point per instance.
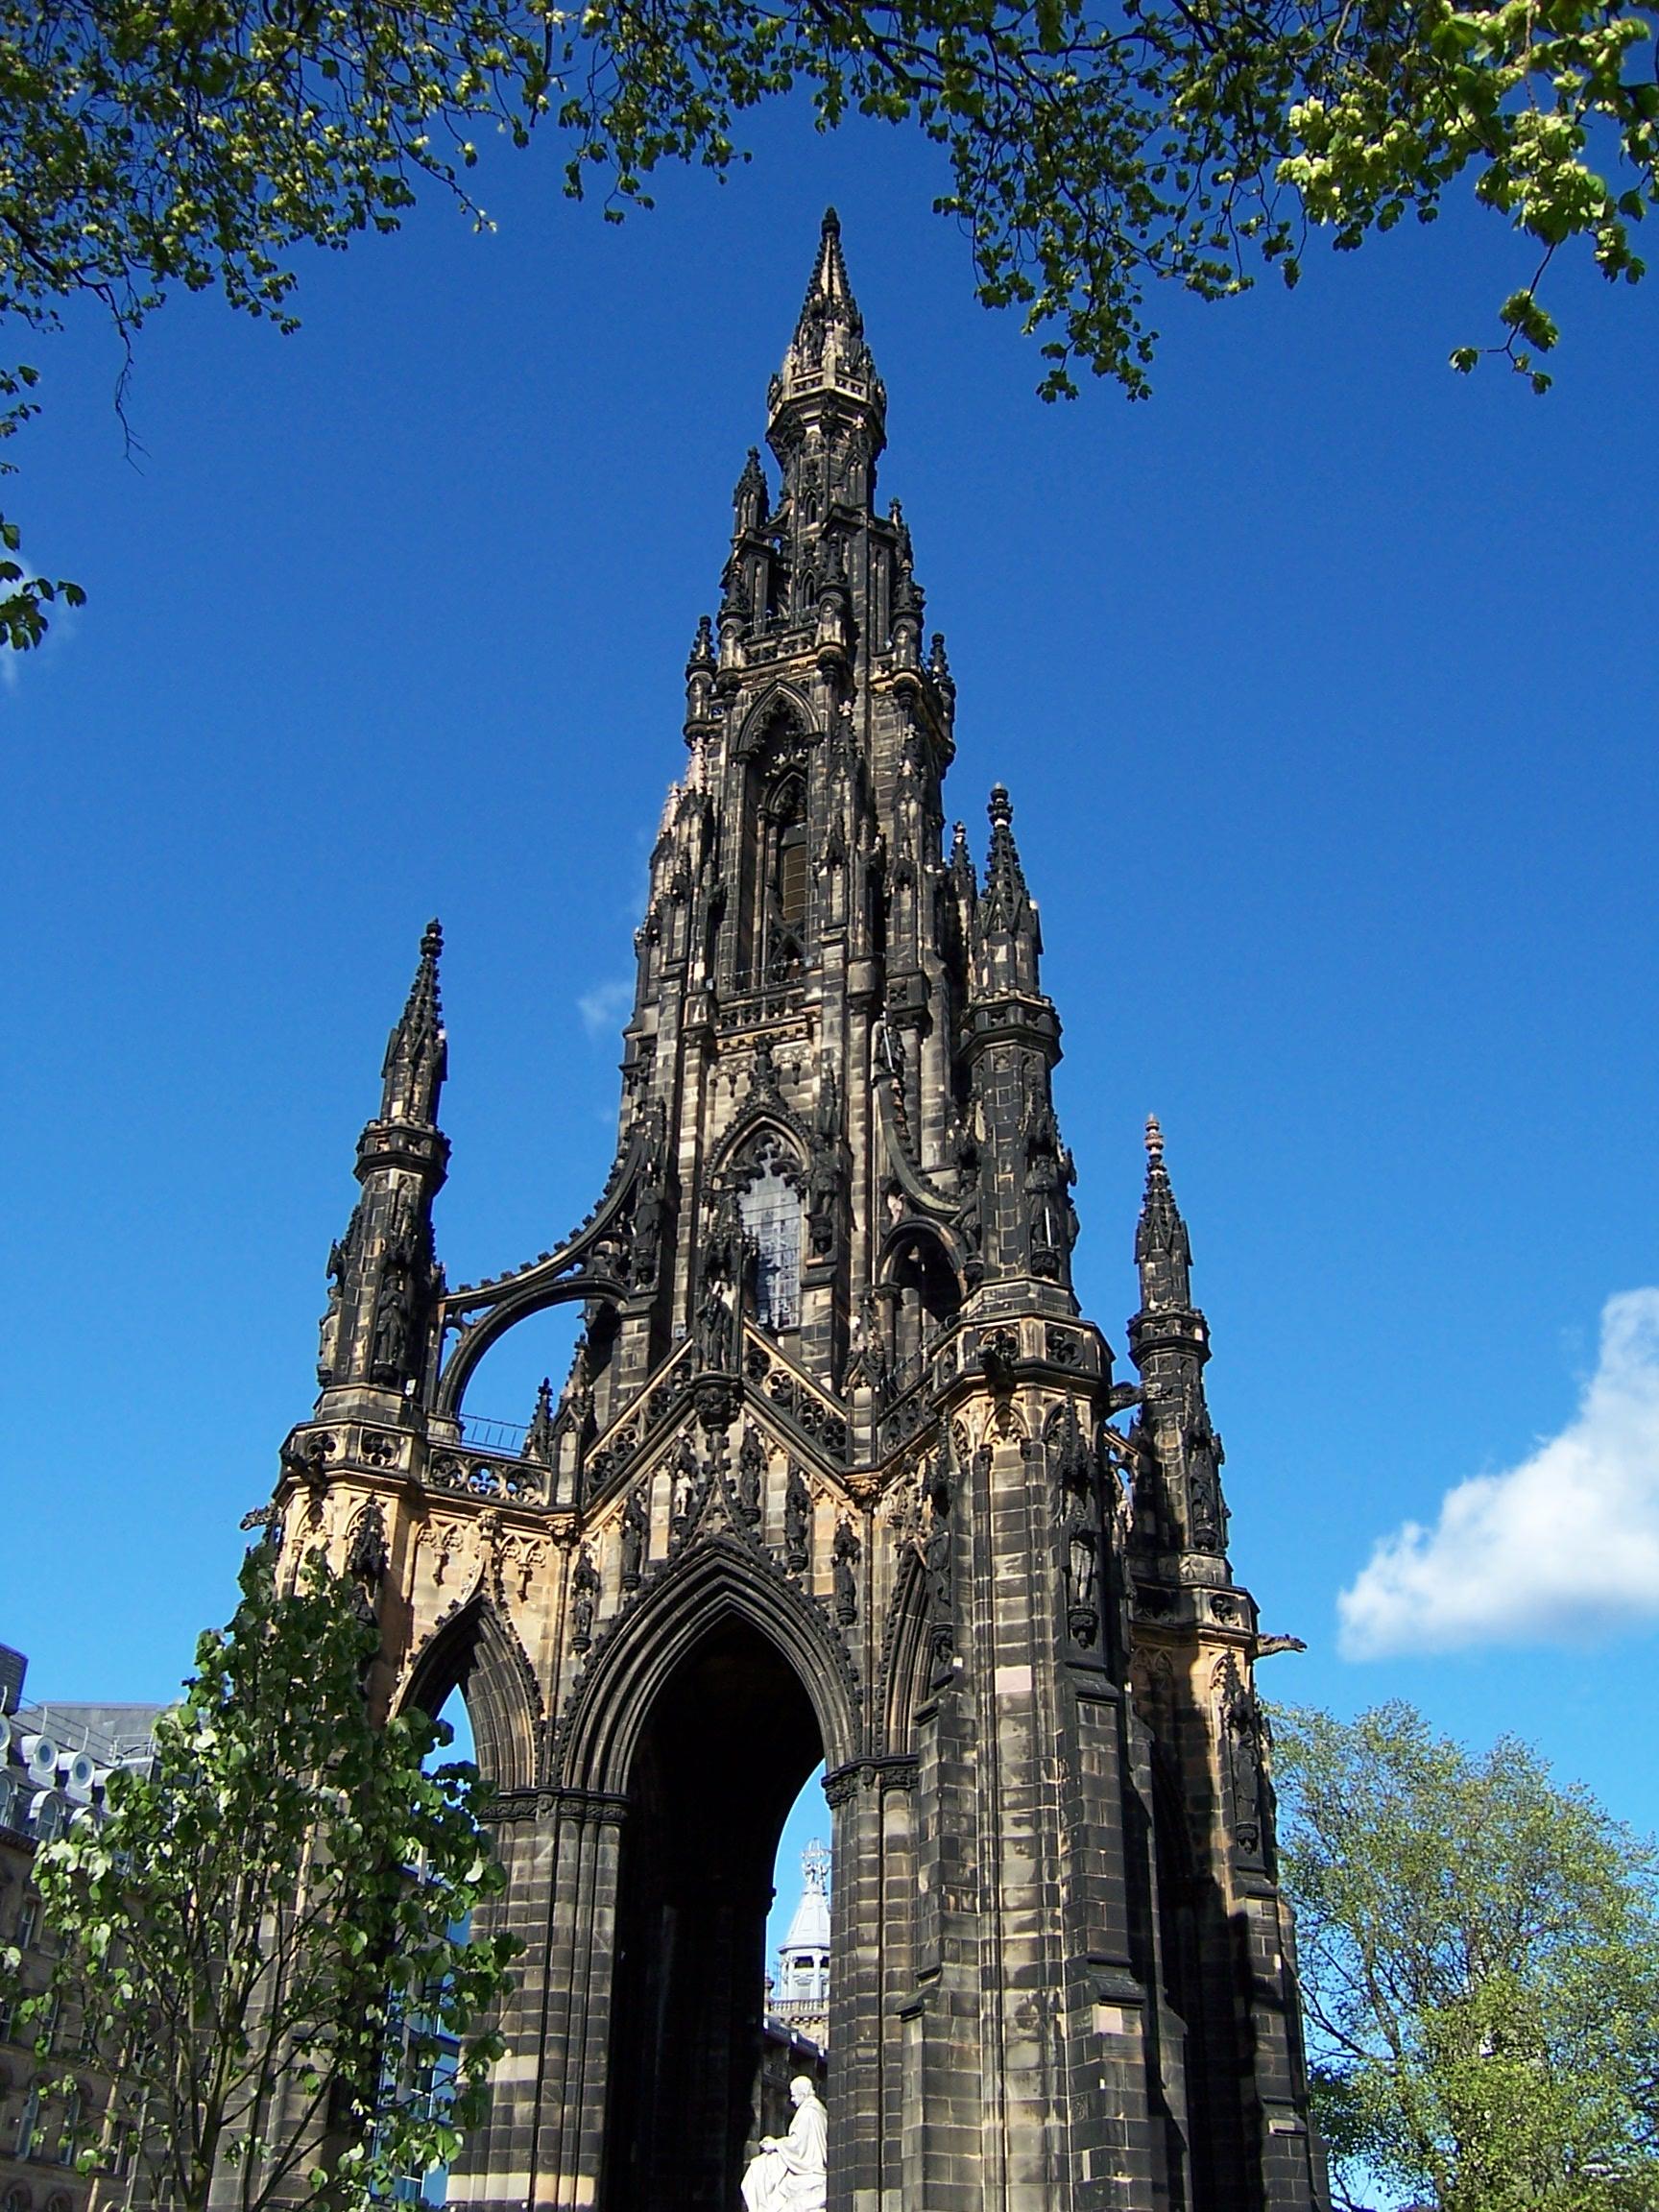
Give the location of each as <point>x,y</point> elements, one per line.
<point>482,1433</point>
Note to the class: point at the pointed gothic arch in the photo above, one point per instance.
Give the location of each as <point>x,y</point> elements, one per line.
<point>906,1657</point>
<point>476,1650</point>
<point>781,706</point>
<point>724,1579</point>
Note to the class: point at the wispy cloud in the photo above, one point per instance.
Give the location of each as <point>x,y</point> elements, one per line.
<point>1563,1547</point>
<point>604,1008</point>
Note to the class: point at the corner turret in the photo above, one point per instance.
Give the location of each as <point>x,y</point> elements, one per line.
<point>1181,1515</point>
<point>377,1337</point>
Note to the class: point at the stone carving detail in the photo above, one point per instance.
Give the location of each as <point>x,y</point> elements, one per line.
<point>683,1485</point>
<point>445,1539</point>
<point>750,1473</point>
<point>938,1492</point>
<point>1074,1467</point>
<point>342,1256</point>
<point>635,1537</point>
<point>367,1557</point>
<point>1205,1458</point>
<point>797,1521</point>
<point>521,1559</point>
<point>651,1205</point>
<point>585,1588</point>
<point>1241,1733</point>
<point>538,1437</point>
<point>848,1553</point>
<point>1049,1174</point>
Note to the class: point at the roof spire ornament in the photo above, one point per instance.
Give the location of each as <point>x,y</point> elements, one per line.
<point>829,383</point>
<point>417,1051</point>
<point>1162,1250</point>
<point>751,497</point>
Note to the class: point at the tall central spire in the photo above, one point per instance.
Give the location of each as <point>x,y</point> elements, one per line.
<point>828,384</point>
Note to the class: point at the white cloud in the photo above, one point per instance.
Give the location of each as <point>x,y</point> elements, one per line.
<point>604,1008</point>
<point>1564,1546</point>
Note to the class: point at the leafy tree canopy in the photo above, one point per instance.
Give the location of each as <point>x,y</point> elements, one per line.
<point>1096,147</point>
<point>265,1933</point>
<point>1480,1955</point>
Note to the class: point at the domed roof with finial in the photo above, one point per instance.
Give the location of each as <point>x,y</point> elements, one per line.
<point>809,1929</point>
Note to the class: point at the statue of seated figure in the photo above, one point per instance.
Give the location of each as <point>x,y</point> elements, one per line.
<point>787,2173</point>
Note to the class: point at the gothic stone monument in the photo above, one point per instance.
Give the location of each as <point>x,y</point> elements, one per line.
<point>834,1476</point>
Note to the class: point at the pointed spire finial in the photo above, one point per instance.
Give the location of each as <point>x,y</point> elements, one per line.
<point>828,365</point>
<point>751,497</point>
<point>1162,1250</point>
<point>1000,808</point>
<point>417,1052</point>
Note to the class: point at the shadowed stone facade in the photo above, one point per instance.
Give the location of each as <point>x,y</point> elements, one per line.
<point>839,1472</point>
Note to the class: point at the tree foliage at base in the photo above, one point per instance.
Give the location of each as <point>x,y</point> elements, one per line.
<point>1479,1959</point>
<point>265,1933</point>
<point>1096,148</point>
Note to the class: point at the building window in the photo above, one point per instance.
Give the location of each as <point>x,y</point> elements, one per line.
<point>771,1214</point>
<point>792,876</point>
<point>27,1923</point>
<point>28,2127</point>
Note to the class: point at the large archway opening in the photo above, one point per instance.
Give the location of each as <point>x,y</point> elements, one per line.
<point>730,1739</point>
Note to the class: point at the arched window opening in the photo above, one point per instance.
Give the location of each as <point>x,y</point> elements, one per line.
<point>783,853</point>
<point>770,1210</point>
<point>792,876</point>
<point>928,1300</point>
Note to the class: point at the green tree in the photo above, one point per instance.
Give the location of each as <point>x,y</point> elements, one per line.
<point>265,1932</point>
<point>1095,148</point>
<point>1480,1955</point>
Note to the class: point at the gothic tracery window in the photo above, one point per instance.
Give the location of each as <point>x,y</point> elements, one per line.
<point>785,862</point>
<point>771,1214</point>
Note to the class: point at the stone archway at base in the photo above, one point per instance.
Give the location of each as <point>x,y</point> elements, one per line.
<point>730,1739</point>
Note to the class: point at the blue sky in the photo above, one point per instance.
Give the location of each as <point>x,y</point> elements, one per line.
<point>1324,684</point>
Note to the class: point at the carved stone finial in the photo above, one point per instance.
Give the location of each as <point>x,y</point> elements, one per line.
<point>1001,807</point>
<point>1154,1140</point>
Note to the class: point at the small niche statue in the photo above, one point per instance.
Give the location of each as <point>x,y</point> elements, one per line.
<point>788,2173</point>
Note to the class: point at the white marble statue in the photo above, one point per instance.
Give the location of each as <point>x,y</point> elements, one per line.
<point>787,2173</point>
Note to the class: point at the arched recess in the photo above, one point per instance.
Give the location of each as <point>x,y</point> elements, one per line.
<point>779,721</point>
<point>906,1658</point>
<point>775,747</point>
<point>708,1721</point>
<point>926,1288</point>
<point>476,1653</point>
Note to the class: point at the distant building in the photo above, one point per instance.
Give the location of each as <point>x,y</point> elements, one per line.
<point>54,1761</point>
<point>796,2037</point>
<point>802,1991</point>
